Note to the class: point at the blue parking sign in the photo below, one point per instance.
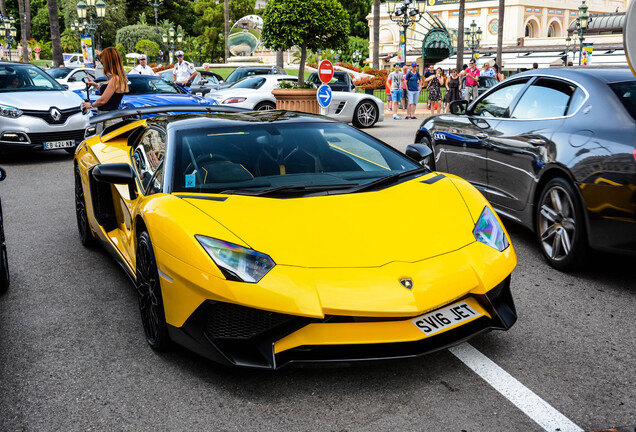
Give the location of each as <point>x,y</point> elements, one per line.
<point>324,95</point>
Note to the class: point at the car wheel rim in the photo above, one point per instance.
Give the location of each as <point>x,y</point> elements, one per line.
<point>557,224</point>
<point>80,207</point>
<point>146,293</point>
<point>266,107</point>
<point>366,114</point>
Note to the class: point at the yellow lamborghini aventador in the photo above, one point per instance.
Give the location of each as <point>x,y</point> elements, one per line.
<point>264,239</point>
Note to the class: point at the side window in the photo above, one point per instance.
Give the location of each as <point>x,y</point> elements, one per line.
<point>496,103</point>
<point>148,155</point>
<point>545,98</point>
<point>156,182</point>
<point>577,100</point>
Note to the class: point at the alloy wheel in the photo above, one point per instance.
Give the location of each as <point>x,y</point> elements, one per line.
<point>366,114</point>
<point>557,223</point>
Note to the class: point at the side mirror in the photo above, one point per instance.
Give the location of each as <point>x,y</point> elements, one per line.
<point>65,86</point>
<point>418,152</point>
<point>117,173</point>
<point>458,107</point>
<point>203,82</point>
<point>3,174</point>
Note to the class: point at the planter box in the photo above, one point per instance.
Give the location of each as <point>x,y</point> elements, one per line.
<point>303,100</point>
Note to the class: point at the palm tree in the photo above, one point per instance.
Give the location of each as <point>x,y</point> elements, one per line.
<point>3,7</point>
<point>376,34</point>
<point>460,35</point>
<point>56,41</point>
<point>27,13</point>
<point>226,18</point>
<point>502,6</point>
<point>23,34</point>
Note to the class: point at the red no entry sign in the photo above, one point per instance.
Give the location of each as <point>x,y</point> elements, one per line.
<point>325,71</point>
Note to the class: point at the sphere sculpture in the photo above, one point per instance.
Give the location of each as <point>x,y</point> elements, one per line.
<point>245,35</point>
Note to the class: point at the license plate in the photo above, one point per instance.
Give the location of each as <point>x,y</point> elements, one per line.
<point>441,319</point>
<point>199,94</point>
<point>50,145</point>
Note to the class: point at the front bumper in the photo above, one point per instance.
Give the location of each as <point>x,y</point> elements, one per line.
<point>30,132</point>
<point>241,336</point>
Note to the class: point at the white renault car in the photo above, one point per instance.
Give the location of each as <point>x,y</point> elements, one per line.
<point>255,92</point>
<point>36,112</point>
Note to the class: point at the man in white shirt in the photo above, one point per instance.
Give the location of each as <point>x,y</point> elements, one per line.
<point>183,72</point>
<point>488,71</point>
<point>142,68</point>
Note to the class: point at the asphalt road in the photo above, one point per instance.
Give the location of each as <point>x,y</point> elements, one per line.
<point>73,355</point>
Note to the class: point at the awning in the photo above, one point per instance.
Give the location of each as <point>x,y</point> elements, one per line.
<point>451,62</point>
<point>543,60</point>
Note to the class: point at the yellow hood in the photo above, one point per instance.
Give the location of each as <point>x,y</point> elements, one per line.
<point>407,222</point>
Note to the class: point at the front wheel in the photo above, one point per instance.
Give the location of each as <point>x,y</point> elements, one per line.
<point>561,226</point>
<point>365,114</point>
<point>264,106</point>
<point>153,316</point>
<point>83,226</point>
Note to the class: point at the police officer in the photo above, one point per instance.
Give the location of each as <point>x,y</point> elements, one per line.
<point>183,72</point>
<point>142,68</point>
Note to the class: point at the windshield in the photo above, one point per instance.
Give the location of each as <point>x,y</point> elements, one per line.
<point>249,83</point>
<point>59,72</point>
<point>626,92</point>
<point>168,76</point>
<point>19,78</point>
<point>141,85</point>
<point>262,157</point>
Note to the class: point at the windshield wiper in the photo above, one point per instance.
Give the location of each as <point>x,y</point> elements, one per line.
<point>291,189</point>
<point>393,178</point>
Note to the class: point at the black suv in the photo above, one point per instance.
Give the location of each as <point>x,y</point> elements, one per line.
<point>242,72</point>
<point>341,81</point>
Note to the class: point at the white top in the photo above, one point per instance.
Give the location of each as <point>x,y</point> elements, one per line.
<point>183,71</point>
<point>142,70</point>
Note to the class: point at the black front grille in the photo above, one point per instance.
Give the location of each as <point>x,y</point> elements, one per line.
<point>46,115</point>
<point>42,137</point>
<point>229,321</point>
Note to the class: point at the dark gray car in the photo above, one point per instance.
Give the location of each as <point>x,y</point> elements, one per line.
<point>553,150</point>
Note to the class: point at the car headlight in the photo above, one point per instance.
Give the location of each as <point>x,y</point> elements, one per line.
<point>234,100</point>
<point>236,262</point>
<point>9,111</point>
<point>488,231</point>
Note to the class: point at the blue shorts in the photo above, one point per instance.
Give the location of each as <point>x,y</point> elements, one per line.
<point>396,95</point>
<point>413,96</point>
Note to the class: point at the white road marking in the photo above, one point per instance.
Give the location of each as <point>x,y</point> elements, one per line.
<point>522,397</point>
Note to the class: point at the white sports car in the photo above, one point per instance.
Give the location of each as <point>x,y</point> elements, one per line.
<point>73,78</point>
<point>255,93</point>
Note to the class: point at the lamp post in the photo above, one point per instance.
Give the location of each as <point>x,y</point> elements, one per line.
<point>78,28</point>
<point>568,41</point>
<point>156,5</point>
<point>582,23</point>
<point>95,12</point>
<point>405,14</point>
<point>357,56</point>
<point>168,38</point>
<point>472,37</point>
<point>10,32</point>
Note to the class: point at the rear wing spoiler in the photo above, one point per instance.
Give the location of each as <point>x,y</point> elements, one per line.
<point>165,109</point>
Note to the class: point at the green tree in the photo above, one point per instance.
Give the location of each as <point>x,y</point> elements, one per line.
<point>129,36</point>
<point>307,24</point>
<point>148,47</point>
<point>358,11</point>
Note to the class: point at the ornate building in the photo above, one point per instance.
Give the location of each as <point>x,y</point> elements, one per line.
<point>531,27</point>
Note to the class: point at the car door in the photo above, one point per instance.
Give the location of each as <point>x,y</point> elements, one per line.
<point>466,139</point>
<point>147,157</point>
<point>523,142</point>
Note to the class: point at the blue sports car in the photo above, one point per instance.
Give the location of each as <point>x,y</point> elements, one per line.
<point>145,91</point>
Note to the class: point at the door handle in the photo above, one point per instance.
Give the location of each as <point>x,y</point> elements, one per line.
<point>482,135</point>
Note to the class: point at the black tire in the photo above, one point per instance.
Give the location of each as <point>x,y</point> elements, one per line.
<point>83,226</point>
<point>264,106</point>
<point>560,225</point>
<point>4,262</point>
<point>429,162</point>
<point>153,317</point>
<point>365,114</point>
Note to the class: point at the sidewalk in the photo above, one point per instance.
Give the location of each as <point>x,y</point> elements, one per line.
<point>421,111</point>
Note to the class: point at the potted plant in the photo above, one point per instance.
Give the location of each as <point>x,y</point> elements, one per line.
<point>291,97</point>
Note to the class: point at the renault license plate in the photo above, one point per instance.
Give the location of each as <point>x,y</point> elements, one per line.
<point>52,145</point>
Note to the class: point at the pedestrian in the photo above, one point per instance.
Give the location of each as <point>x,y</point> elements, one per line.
<point>452,88</point>
<point>387,86</point>
<point>206,67</point>
<point>395,79</point>
<point>142,68</point>
<point>430,71</point>
<point>413,85</point>
<point>435,82</point>
<point>472,81</point>
<point>405,90</point>
<point>112,90</point>
<point>500,77</point>
<point>535,65</point>
<point>183,72</point>
<point>488,71</point>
